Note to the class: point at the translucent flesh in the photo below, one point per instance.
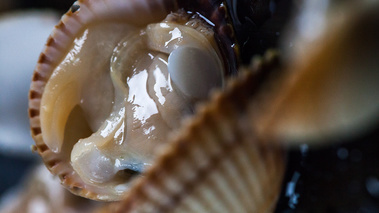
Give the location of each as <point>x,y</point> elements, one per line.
<point>122,82</point>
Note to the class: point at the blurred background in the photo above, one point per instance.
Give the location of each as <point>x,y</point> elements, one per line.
<point>342,177</point>
<point>24,28</point>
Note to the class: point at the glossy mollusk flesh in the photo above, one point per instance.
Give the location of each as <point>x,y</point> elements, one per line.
<point>115,78</point>
<point>223,159</point>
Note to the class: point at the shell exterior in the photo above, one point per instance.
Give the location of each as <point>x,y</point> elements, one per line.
<point>216,163</point>
<point>82,14</point>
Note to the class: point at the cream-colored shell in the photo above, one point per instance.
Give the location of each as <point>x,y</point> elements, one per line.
<point>330,88</point>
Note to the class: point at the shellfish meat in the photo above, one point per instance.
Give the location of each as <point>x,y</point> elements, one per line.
<point>114,79</point>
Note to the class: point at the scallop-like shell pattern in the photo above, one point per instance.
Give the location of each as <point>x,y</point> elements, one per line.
<point>82,14</point>
<point>216,163</point>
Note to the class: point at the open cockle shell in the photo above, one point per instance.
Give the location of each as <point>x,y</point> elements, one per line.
<point>114,72</point>
<point>220,161</point>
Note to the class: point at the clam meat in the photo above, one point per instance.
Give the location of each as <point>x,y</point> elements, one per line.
<point>115,78</point>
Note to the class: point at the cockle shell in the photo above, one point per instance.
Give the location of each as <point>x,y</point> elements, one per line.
<point>73,99</point>
<point>330,87</point>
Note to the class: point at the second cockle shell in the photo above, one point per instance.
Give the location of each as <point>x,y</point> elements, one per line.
<point>115,78</point>
<point>330,87</point>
